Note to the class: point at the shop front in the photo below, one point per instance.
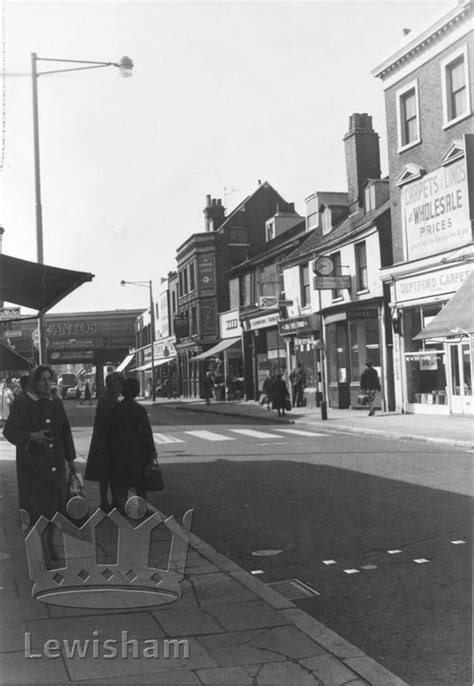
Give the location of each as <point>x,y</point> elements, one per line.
<point>353,335</point>
<point>264,349</point>
<point>432,344</point>
<point>302,335</point>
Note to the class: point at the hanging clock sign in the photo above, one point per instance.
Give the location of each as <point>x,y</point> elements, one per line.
<point>324,266</point>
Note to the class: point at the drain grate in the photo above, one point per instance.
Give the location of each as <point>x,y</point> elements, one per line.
<point>292,589</point>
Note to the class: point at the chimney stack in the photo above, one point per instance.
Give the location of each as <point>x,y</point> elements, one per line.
<point>362,157</point>
<point>214,213</point>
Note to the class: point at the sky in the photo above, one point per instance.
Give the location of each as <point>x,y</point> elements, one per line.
<point>222,94</point>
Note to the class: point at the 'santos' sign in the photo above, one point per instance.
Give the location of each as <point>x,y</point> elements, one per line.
<point>435,211</point>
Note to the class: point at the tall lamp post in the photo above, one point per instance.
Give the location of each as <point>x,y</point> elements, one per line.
<point>125,66</point>
<point>148,284</point>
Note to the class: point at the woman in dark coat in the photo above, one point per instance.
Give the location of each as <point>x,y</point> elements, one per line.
<point>280,395</point>
<point>130,444</point>
<point>98,467</point>
<point>39,427</point>
<point>208,387</point>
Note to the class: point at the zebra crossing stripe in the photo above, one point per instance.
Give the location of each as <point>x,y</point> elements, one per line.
<point>299,432</point>
<point>166,438</point>
<point>210,436</point>
<point>253,434</point>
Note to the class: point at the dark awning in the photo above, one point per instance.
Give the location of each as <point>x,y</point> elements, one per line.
<point>225,344</point>
<point>37,286</point>
<point>456,317</point>
<point>10,359</point>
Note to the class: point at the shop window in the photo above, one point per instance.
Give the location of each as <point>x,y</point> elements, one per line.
<point>341,346</point>
<point>331,352</point>
<point>408,116</point>
<point>355,352</point>
<point>305,285</point>
<point>426,378</point>
<point>361,266</point>
<point>455,86</point>
<point>336,258</point>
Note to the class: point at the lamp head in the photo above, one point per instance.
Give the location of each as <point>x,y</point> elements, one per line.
<point>125,67</point>
<point>123,283</point>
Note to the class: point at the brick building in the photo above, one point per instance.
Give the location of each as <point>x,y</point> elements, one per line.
<point>203,265</point>
<point>428,83</point>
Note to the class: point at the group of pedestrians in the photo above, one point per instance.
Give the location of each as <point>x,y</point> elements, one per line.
<point>121,448</point>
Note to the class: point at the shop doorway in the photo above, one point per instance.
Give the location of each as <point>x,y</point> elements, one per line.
<point>460,378</point>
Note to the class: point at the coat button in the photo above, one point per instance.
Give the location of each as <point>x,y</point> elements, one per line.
<point>48,421</point>
<point>53,469</point>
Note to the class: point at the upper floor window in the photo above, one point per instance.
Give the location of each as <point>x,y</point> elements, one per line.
<point>185,281</point>
<point>361,266</point>
<point>455,86</point>
<point>370,201</point>
<point>336,258</point>
<point>270,231</point>
<point>173,302</point>
<point>192,279</point>
<point>408,116</point>
<point>180,283</point>
<point>327,220</point>
<point>305,285</point>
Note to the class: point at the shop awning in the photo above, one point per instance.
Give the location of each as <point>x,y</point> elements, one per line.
<point>225,344</point>
<point>146,367</point>
<point>125,362</point>
<point>10,359</point>
<point>37,286</point>
<point>456,317</point>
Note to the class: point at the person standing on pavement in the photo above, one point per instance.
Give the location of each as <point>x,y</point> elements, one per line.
<point>208,387</point>
<point>267,389</point>
<point>130,445</point>
<point>297,381</point>
<point>39,428</point>
<point>370,384</point>
<point>98,467</point>
<point>280,395</point>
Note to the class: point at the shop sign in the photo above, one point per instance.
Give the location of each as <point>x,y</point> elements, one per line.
<point>59,356</point>
<point>229,324</point>
<point>267,301</point>
<point>163,348</point>
<point>434,283</point>
<point>435,211</point>
<point>325,283</point>
<point>13,334</point>
<point>367,313</point>
<point>299,326</point>
<point>262,322</point>
<point>206,271</point>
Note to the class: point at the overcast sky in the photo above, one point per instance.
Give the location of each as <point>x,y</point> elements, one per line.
<point>223,94</point>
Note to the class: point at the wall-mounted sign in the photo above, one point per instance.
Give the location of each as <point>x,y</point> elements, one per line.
<point>322,283</point>
<point>261,322</point>
<point>209,318</point>
<point>435,211</point>
<point>431,284</point>
<point>366,313</point>
<point>229,324</point>
<point>300,326</point>
<point>13,334</point>
<point>206,271</point>
<point>267,301</point>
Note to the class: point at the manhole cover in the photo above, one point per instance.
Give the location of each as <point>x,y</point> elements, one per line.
<point>266,553</point>
<point>292,589</point>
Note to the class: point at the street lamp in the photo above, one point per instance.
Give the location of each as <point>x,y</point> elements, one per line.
<point>148,284</point>
<point>125,67</point>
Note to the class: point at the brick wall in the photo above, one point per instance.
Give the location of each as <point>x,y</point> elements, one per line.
<point>434,139</point>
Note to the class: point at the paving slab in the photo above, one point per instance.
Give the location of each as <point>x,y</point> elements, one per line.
<point>255,614</point>
<point>230,676</point>
<point>236,648</point>
<point>374,672</point>
<point>194,621</point>
<point>288,641</point>
<point>330,670</point>
<point>15,669</point>
<point>285,673</point>
<point>212,589</point>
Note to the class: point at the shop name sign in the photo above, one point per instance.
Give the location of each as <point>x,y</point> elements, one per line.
<point>322,283</point>
<point>431,284</point>
<point>435,211</point>
<point>263,322</point>
<point>9,313</point>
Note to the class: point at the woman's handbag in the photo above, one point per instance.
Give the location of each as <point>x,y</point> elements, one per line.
<point>288,405</point>
<point>153,477</point>
<point>362,399</point>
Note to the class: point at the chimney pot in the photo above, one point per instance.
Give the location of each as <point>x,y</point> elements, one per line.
<point>208,200</point>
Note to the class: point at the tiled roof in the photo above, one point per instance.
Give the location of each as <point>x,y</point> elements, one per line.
<point>316,241</point>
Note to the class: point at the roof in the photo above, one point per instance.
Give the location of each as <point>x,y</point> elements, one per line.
<point>457,316</point>
<point>275,246</point>
<point>37,286</point>
<point>358,221</point>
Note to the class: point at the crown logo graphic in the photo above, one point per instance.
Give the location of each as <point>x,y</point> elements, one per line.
<point>129,582</point>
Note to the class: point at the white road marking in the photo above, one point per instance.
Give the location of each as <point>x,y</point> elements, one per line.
<point>394,552</point>
<point>369,566</point>
<point>420,560</point>
<point>329,562</point>
<point>300,432</point>
<point>351,571</point>
<point>459,542</point>
<point>254,434</point>
<point>166,438</point>
<point>210,436</point>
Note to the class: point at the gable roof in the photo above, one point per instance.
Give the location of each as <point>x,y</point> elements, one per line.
<point>351,225</point>
<point>274,247</point>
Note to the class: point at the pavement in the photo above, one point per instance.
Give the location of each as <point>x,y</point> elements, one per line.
<point>236,629</point>
<point>452,430</point>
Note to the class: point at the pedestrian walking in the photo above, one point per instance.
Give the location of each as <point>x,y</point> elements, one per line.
<point>130,445</point>
<point>280,395</point>
<point>98,461</point>
<point>208,388</point>
<point>297,380</point>
<point>87,393</point>
<point>267,390</point>
<point>370,384</point>
<point>39,428</point>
